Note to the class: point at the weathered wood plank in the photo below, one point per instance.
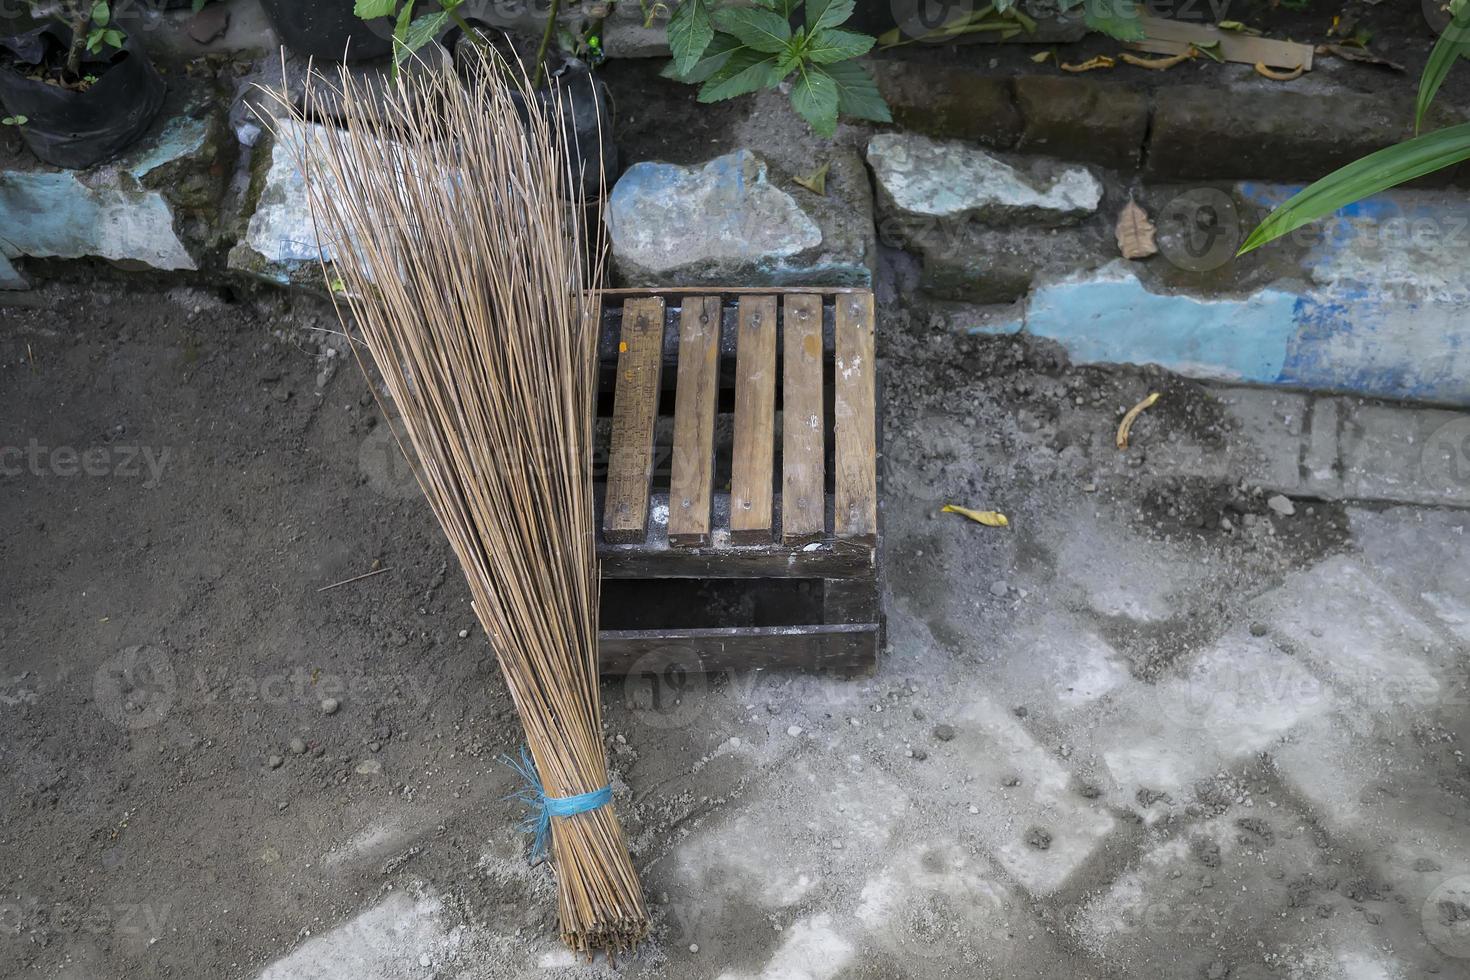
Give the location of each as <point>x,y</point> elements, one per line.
<point>663,653</point>
<point>635,404</point>
<point>1165,35</point>
<point>855,512</point>
<point>803,440</point>
<point>691,482</point>
<point>752,474</point>
<point>851,600</point>
<point>655,558</point>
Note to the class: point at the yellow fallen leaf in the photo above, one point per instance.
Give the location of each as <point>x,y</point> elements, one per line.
<point>990,518</point>
<point>1041,56</point>
<point>1279,76</point>
<point>1127,424</point>
<point>816,181</point>
<point>1157,64</point>
<point>1101,61</point>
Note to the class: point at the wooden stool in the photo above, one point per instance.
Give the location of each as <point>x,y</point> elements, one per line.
<point>739,498</point>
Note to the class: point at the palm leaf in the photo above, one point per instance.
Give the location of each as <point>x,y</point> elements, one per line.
<point>1375,172</point>
<point>1454,42</point>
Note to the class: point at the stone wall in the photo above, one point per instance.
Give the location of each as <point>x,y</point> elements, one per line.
<point>1003,192</point>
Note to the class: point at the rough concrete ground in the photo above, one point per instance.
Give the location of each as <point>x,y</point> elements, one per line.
<point>1158,727</point>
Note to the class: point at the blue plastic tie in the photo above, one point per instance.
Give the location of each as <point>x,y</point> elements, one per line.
<point>544,807</point>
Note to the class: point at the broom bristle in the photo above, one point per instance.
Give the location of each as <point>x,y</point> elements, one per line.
<point>463,253</point>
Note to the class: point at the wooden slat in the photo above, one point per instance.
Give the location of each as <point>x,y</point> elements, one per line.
<point>856,505</point>
<point>803,495</point>
<point>663,652</point>
<point>654,557</point>
<point>635,404</point>
<point>691,483</point>
<point>753,464</point>
<point>1165,35</point>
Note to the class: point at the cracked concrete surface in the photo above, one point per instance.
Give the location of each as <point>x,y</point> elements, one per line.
<point>1155,728</point>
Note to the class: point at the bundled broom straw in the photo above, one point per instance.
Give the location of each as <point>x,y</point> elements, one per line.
<point>463,255</point>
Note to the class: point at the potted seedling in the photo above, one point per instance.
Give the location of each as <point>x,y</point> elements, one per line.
<point>580,99</point>
<point>77,87</point>
<point>328,29</point>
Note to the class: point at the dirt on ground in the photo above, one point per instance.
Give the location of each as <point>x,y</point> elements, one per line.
<point>220,734</point>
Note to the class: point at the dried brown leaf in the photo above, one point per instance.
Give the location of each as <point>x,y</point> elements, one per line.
<point>1126,426</point>
<point>1157,64</point>
<point>1101,61</point>
<point>816,181</point>
<point>1135,232</point>
<point>1279,76</point>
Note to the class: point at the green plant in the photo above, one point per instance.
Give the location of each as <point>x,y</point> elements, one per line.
<point>1392,165</point>
<point>90,24</point>
<point>411,33</point>
<point>14,121</point>
<point>1006,19</point>
<point>732,51</point>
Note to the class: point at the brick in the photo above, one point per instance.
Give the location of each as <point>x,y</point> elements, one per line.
<point>1202,133</point>
<point>1082,119</point>
<point>995,746</point>
<point>1240,696</point>
<point>1410,455</point>
<point>1359,638</point>
<point>1320,465</point>
<point>1271,425</point>
<point>1167,914</point>
<point>951,103</point>
<point>1000,265</point>
<point>1429,552</point>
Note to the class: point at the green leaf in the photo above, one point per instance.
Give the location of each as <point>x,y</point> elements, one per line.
<point>418,33</point>
<point>690,33</point>
<point>114,37</point>
<point>1451,46</point>
<point>857,95</point>
<point>827,13</point>
<point>814,97</point>
<point>373,9</point>
<point>1373,173</point>
<point>828,46</point>
<point>708,63</point>
<point>745,72</point>
<point>14,121</point>
<point>405,19</point>
<point>101,13</point>
<point>1115,18</point>
<point>763,30</point>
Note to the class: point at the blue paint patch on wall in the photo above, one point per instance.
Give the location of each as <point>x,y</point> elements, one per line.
<point>1351,338</point>
<point>1117,320</point>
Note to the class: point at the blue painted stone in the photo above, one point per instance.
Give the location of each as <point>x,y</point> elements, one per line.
<point>727,222</point>
<point>108,211</point>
